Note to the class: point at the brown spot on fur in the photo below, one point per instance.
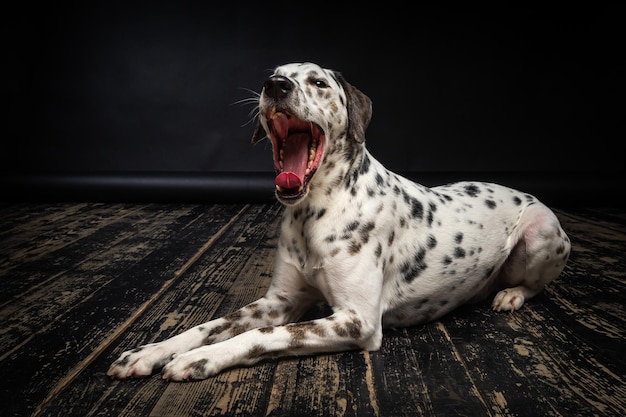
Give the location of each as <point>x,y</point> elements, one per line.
<point>220,329</point>
<point>197,368</point>
<point>237,329</point>
<point>256,352</point>
<point>267,329</point>
<point>273,314</point>
<point>233,316</point>
<point>298,331</point>
<point>351,329</point>
<point>354,248</point>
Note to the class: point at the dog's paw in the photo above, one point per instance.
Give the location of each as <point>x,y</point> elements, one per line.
<point>193,365</point>
<point>140,362</point>
<point>511,299</point>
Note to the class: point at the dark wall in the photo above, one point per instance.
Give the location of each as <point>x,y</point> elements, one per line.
<point>163,86</point>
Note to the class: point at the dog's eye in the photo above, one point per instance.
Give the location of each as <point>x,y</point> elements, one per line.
<point>320,83</point>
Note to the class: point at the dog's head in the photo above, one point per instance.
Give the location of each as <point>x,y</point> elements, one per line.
<point>308,113</point>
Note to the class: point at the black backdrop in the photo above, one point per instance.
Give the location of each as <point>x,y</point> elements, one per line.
<point>157,90</point>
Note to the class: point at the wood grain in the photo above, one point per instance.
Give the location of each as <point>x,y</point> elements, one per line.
<point>82,282</point>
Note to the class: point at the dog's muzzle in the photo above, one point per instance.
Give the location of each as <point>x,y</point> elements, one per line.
<point>278,87</point>
<point>298,144</point>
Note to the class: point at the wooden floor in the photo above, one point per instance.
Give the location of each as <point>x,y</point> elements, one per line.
<point>80,283</point>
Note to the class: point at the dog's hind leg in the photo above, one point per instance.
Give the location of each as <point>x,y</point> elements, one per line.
<point>537,258</point>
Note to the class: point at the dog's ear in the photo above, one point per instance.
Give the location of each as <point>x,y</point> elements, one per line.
<point>259,133</point>
<point>359,110</point>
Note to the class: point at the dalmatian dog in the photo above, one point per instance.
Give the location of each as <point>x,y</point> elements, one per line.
<point>380,250</point>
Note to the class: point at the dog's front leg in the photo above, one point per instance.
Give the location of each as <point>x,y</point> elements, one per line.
<point>344,330</point>
<point>355,324</point>
<point>274,308</point>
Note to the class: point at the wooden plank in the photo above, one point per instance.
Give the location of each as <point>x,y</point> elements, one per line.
<point>338,384</point>
<point>193,299</point>
<point>562,349</point>
<point>418,373</point>
<point>562,354</point>
<point>57,346</point>
<point>78,237</point>
<point>32,236</point>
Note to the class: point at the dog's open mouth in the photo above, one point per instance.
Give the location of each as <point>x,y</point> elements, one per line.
<point>298,148</point>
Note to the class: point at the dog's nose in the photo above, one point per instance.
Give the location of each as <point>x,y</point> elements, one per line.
<point>277,87</point>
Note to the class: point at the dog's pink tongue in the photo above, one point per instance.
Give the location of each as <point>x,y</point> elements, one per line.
<point>295,160</point>
<point>288,180</point>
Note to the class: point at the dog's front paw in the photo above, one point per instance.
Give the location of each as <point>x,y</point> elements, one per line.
<point>193,365</point>
<point>140,362</point>
<point>511,299</point>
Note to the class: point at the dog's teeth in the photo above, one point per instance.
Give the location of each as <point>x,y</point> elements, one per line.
<point>280,189</point>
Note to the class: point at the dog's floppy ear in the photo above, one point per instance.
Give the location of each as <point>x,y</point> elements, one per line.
<point>259,133</point>
<point>359,110</point>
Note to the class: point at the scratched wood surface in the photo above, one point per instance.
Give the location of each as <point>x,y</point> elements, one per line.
<point>80,283</point>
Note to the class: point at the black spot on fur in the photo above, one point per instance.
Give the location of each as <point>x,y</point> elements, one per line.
<point>472,190</point>
<point>517,201</point>
<point>365,230</point>
<point>432,242</point>
<point>411,270</point>
<point>491,204</point>
<point>417,209</point>
<point>379,250</point>
<point>458,238</point>
<point>459,252</point>
<point>379,179</point>
<point>351,227</point>
<point>321,213</point>
<point>431,209</point>
<point>447,260</point>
